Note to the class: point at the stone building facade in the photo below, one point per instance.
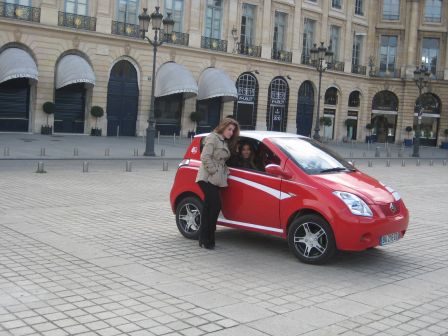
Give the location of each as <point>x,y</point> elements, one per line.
<point>81,53</point>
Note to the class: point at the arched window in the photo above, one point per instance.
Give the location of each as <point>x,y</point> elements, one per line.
<point>331,96</point>
<point>305,108</point>
<point>277,105</point>
<point>385,101</point>
<point>430,106</point>
<point>245,108</point>
<point>353,99</point>
<point>384,116</point>
<point>429,102</point>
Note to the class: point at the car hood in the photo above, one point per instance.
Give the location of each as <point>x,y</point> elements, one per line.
<point>371,190</point>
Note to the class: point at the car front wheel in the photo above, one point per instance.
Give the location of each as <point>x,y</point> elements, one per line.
<point>188,217</point>
<point>311,239</point>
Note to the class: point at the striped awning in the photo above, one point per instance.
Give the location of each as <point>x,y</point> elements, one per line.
<point>73,69</point>
<point>172,78</point>
<point>215,82</point>
<point>16,63</point>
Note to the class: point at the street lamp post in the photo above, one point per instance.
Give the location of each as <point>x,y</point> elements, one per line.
<point>168,25</point>
<point>421,79</point>
<point>318,56</point>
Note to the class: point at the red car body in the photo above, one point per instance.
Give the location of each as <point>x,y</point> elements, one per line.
<point>269,203</point>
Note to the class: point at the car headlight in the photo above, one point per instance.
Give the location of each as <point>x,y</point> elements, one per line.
<point>355,204</point>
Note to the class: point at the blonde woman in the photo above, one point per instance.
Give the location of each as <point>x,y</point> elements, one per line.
<point>213,174</point>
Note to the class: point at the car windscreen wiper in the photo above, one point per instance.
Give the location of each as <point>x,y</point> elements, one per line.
<point>336,169</point>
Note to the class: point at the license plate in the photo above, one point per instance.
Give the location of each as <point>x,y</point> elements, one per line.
<point>390,238</point>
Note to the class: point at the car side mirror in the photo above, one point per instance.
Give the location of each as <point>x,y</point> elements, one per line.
<point>276,170</point>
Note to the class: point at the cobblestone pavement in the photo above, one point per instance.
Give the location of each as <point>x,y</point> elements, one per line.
<point>98,253</point>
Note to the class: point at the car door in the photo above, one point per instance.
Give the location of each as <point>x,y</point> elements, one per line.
<point>252,200</point>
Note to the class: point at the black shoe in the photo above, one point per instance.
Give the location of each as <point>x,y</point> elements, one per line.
<point>209,246</point>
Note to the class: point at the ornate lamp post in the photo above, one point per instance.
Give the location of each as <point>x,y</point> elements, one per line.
<point>318,56</point>
<point>421,79</point>
<point>168,25</point>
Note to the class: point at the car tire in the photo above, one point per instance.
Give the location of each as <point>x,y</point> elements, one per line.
<point>311,239</point>
<point>188,217</point>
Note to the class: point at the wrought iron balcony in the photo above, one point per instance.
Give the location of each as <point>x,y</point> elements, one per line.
<point>359,69</point>
<point>385,74</point>
<point>249,50</point>
<point>125,29</point>
<point>336,66</point>
<point>213,44</point>
<point>77,21</point>
<point>282,55</point>
<point>177,38</point>
<point>19,12</point>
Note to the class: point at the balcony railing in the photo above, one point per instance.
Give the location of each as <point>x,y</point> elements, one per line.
<point>385,74</point>
<point>282,55</point>
<point>19,12</point>
<point>77,21</point>
<point>254,51</point>
<point>359,69</point>
<point>177,38</point>
<point>213,44</point>
<point>336,66</point>
<point>440,75</point>
<point>125,29</point>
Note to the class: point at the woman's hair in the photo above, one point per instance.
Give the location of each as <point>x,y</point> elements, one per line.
<point>251,158</point>
<point>226,122</point>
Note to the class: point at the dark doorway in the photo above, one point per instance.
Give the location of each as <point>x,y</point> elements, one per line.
<point>14,105</point>
<point>70,109</point>
<point>245,108</point>
<point>168,111</point>
<point>210,110</point>
<point>305,109</point>
<point>122,100</point>
<point>277,105</point>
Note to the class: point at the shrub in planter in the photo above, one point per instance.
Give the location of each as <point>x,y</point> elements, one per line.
<point>196,117</point>
<point>445,143</point>
<point>49,108</point>
<point>369,128</point>
<point>97,112</point>
<point>408,141</point>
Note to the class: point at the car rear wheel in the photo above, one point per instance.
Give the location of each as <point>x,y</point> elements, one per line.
<point>188,217</point>
<point>311,239</point>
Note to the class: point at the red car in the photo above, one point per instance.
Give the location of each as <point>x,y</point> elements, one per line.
<point>300,191</point>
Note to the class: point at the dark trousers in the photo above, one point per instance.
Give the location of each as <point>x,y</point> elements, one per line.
<point>210,212</point>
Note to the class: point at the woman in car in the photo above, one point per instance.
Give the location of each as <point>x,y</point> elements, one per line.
<point>213,174</point>
<point>246,156</point>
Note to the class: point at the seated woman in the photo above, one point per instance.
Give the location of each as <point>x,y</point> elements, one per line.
<point>245,158</point>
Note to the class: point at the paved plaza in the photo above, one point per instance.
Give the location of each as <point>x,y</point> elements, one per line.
<point>99,253</point>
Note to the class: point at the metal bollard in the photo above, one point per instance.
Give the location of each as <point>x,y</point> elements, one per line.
<point>174,138</point>
<point>377,152</point>
<point>128,166</point>
<point>403,163</point>
<point>388,163</point>
<point>40,168</point>
<point>363,154</point>
<point>351,154</point>
<point>158,137</point>
<point>42,151</point>
<point>6,151</point>
<point>75,152</point>
<point>418,163</point>
<point>118,130</point>
<point>431,163</point>
<point>444,162</point>
<point>400,152</point>
<point>135,151</point>
<point>107,152</point>
<point>165,166</point>
<point>388,152</point>
<point>85,167</point>
<point>162,152</point>
<point>370,163</point>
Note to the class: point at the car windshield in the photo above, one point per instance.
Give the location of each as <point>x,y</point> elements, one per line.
<point>311,156</point>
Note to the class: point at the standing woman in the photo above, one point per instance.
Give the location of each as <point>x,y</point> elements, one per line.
<point>213,174</point>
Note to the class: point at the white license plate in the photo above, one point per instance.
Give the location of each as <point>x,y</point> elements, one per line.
<point>390,238</point>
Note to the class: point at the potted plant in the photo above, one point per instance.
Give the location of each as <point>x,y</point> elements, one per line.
<point>445,143</point>
<point>49,108</point>
<point>408,141</point>
<point>195,117</point>
<point>369,128</point>
<point>97,112</point>
<point>325,122</point>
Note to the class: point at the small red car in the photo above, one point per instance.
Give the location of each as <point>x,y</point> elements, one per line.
<point>301,191</point>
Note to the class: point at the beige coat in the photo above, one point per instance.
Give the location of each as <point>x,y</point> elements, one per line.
<point>214,156</point>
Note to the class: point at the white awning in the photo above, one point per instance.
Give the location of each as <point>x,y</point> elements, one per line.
<point>16,63</point>
<point>215,83</point>
<point>73,69</point>
<point>174,78</point>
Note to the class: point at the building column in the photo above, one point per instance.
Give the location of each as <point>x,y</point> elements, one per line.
<point>412,31</point>
<point>49,12</point>
<point>194,29</point>
<point>104,15</point>
<point>296,50</point>
<point>348,40</point>
<point>266,45</point>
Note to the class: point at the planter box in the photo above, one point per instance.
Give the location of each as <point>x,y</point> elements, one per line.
<point>47,130</point>
<point>96,132</point>
<point>408,142</point>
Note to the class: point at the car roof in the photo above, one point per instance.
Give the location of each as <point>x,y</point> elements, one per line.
<point>261,135</point>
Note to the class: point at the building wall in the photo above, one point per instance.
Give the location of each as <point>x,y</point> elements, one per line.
<point>47,42</point>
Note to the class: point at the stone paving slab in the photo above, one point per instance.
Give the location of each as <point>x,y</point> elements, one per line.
<point>99,254</point>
